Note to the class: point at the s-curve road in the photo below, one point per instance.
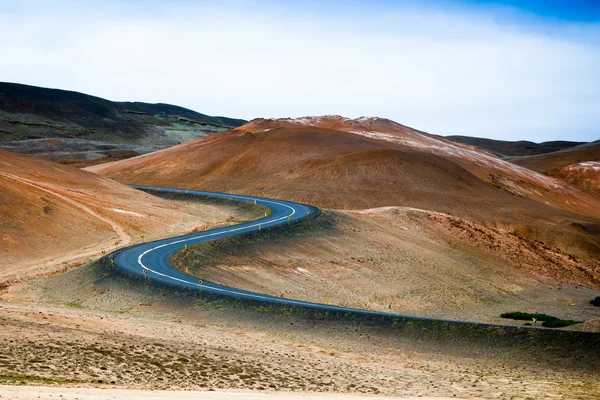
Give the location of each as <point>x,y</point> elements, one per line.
<point>152,259</point>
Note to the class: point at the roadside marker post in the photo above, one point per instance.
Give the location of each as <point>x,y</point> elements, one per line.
<point>142,237</point>
<point>187,270</point>
<point>112,261</point>
<point>534,322</point>
<point>289,217</point>
<point>202,281</point>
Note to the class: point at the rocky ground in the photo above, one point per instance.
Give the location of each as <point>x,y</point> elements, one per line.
<point>407,261</point>
<point>158,348</point>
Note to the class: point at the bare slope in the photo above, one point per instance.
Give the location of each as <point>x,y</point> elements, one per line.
<point>50,213</point>
<point>585,175</point>
<point>545,163</point>
<point>415,262</point>
<point>371,162</point>
<point>517,148</point>
<point>577,165</point>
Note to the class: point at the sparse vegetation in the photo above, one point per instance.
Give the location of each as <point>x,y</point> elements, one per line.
<point>548,320</point>
<point>559,323</point>
<point>521,316</point>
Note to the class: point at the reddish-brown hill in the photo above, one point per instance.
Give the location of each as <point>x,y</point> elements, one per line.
<point>586,175</point>
<point>577,166</point>
<point>372,162</point>
<point>545,163</point>
<point>50,213</point>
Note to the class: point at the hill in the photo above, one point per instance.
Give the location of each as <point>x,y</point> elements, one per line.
<point>48,118</point>
<point>371,162</point>
<point>518,148</point>
<point>586,175</point>
<point>576,165</point>
<point>52,213</point>
<point>545,163</point>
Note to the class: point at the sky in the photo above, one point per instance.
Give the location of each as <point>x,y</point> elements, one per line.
<point>510,70</point>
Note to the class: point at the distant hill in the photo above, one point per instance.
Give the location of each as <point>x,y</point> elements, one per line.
<point>514,149</point>
<point>365,163</point>
<point>579,165</point>
<point>37,114</point>
<point>547,162</point>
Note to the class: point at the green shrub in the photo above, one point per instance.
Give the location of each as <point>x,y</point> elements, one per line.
<point>521,316</point>
<point>559,323</point>
<point>596,301</point>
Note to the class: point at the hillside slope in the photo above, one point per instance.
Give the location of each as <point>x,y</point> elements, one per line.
<point>38,114</point>
<point>576,165</point>
<point>50,213</point>
<point>514,148</point>
<point>365,163</point>
<point>547,162</point>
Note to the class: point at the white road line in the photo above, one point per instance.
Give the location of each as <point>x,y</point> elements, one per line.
<point>143,266</point>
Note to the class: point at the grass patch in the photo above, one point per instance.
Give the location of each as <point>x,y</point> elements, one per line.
<point>521,316</point>
<point>559,323</point>
<point>549,320</point>
<point>25,379</point>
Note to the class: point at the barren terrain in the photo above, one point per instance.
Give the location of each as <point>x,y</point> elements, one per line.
<point>369,162</point>
<point>547,162</point>
<point>52,215</point>
<point>143,339</point>
<point>407,261</point>
<point>585,175</point>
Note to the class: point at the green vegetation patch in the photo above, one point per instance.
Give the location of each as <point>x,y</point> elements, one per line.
<point>559,323</point>
<point>549,320</point>
<point>521,316</point>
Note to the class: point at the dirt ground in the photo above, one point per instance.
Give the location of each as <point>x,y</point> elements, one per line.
<point>407,261</point>
<point>54,216</point>
<point>37,392</point>
<point>158,348</point>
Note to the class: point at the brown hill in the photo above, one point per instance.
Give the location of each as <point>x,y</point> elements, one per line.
<point>372,162</point>
<point>545,163</point>
<point>505,148</point>
<point>586,175</point>
<point>577,166</point>
<point>51,213</point>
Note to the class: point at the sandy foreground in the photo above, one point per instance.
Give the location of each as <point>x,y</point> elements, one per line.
<point>40,392</point>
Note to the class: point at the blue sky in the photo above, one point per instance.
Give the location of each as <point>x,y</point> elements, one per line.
<point>506,70</point>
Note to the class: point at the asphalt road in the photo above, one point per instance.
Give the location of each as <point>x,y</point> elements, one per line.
<point>153,257</point>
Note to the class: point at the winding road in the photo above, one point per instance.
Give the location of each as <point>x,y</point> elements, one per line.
<point>153,257</point>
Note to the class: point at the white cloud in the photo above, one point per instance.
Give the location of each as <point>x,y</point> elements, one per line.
<point>447,72</point>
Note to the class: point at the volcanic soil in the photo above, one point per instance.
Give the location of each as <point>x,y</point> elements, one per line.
<point>370,162</point>
<point>54,216</point>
